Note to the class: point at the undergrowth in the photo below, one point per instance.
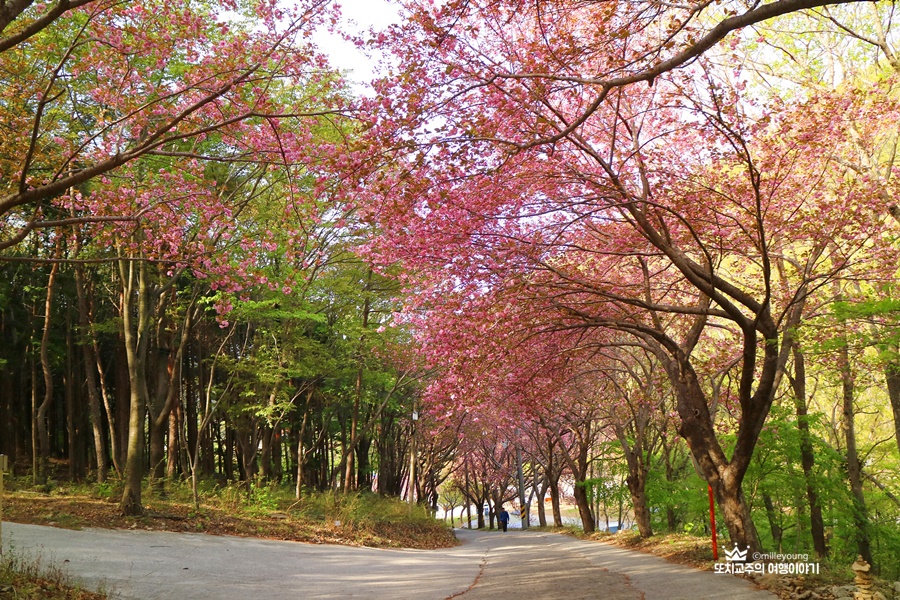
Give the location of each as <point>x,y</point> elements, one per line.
<point>30,578</point>
<point>256,509</point>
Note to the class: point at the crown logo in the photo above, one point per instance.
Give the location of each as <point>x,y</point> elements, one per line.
<point>736,555</point>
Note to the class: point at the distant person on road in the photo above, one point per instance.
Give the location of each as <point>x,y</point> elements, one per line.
<point>503,518</point>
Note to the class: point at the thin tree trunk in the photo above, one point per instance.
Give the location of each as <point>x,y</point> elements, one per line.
<point>854,469</point>
<point>350,482</point>
<point>301,453</point>
<point>175,419</point>
<point>892,378</point>
<point>777,530</point>
<point>35,444</point>
<point>72,427</point>
<point>90,377</point>
<point>671,517</point>
<point>540,487</point>
<point>807,457</point>
<point>41,414</point>
<point>267,437</point>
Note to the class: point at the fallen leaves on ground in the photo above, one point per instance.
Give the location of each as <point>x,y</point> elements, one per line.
<point>679,548</point>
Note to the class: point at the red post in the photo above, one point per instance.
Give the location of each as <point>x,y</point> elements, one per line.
<point>712,522</point>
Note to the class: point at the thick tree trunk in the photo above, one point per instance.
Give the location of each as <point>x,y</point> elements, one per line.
<point>736,514</point>
<point>637,487</point>
<point>468,499</point>
<point>135,312</point>
<point>157,457</point>
<point>134,459</point>
<point>724,476</point>
<point>584,507</point>
<point>637,477</point>
<point>553,484</point>
<point>480,502</point>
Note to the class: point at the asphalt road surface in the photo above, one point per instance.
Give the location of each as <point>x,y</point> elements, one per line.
<point>490,565</point>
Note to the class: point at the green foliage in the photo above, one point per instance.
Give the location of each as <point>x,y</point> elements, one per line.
<point>682,491</point>
<point>356,509</point>
<point>106,490</point>
<point>263,499</point>
<point>686,495</point>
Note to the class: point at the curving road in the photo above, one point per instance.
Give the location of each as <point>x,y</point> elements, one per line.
<point>149,565</point>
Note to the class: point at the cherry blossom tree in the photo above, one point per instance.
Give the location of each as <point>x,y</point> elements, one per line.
<point>654,213</point>
<point>105,83</point>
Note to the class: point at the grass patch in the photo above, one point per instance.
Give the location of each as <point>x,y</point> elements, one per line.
<point>24,578</point>
<point>268,511</point>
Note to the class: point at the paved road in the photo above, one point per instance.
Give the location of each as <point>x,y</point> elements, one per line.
<point>149,565</point>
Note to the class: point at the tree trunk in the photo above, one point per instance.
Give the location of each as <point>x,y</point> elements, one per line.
<point>267,438</point>
<point>166,395</point>
<point>584,507</point>
<point>671,517</point>
<point>350,482</point>
<point>553,484</point>
<point>777,530</point>
<point>40,419</point>
<point>736,515</point>
<point>363,474</point>
<point>724,476</point>
<point>159,416</point>
<point>248,446</point>
<point>135,312</point>
<point>892,378</point>
<point>35,444</point>
<point>637,478</point>
<point>72,414</point>
<point>90,377</point>
<point>540,488</point>
<point>468,495</point>
<point>122,404</point>
<point>807,457</point>
<point>172,451</point>
<point>580,466</point>
<point>854,469</point>
<point>637,487</point>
